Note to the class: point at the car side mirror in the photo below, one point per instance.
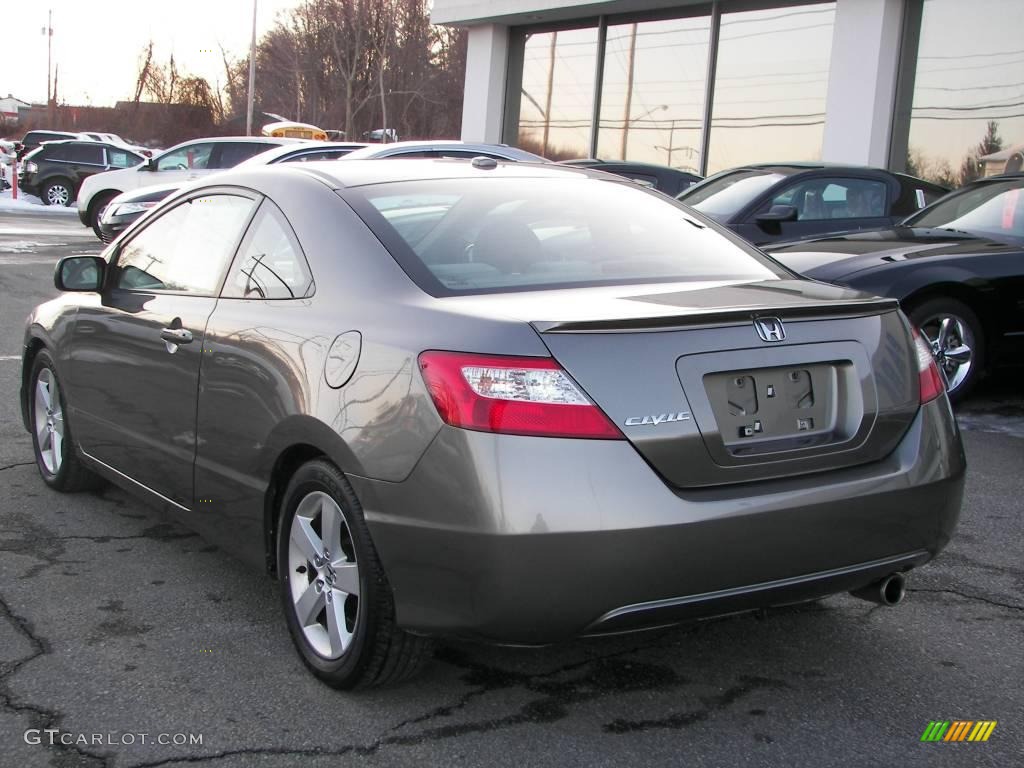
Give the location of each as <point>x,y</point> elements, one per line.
<point>778,213</point>
<point>150,164</point>
<point>80,273</point>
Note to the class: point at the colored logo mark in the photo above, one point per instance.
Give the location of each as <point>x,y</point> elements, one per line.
<point>958,730</point>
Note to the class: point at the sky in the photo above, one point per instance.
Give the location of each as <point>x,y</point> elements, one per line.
<point>97,45</point>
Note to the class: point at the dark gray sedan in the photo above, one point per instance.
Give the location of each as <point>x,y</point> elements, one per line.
<point>514,402</point>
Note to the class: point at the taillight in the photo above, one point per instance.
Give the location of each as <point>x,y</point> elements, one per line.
<point>512,396</point>
<point>932,382</point>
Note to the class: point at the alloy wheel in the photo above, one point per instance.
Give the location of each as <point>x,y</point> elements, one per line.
<point>58,195</point>
<point>49,421</point>
<point>324,575</point>
<point>952,344</point>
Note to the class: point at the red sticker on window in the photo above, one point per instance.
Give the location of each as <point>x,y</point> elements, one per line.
<point>1009,207</point>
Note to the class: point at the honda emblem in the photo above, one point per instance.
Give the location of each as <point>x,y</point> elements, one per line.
<point>770,329</point>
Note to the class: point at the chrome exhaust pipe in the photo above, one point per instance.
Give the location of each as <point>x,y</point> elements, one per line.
<point>887,591</point>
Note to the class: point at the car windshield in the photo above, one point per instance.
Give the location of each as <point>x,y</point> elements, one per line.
<point>722,197</point>
<point>993,208</point>
<point>464,236</point>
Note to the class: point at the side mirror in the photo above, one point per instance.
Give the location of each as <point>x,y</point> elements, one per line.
<point>150,164</point>
<point>777,213</point>
<point>80,273</point>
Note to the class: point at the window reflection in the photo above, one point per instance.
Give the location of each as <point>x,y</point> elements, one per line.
<point>771,85</point>
<point>968,110</point>
<point>652,98</point>
<point>557,98</point>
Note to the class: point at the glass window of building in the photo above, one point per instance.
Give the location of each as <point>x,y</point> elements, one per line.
<point>771,85</point>
<point>968,110</point>
<point>557,97</point>
<point>652,96</point>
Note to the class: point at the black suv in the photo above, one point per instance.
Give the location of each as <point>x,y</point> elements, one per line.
<point>55,170</point>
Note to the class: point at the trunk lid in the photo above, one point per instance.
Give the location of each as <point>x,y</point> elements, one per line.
<point>830,380</point>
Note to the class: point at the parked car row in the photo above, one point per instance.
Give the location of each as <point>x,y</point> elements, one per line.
<point>958,287</point>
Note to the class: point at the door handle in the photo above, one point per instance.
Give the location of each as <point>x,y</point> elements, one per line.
<point>176,335</point>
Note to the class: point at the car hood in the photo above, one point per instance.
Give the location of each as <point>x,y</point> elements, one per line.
<point>836,257</point>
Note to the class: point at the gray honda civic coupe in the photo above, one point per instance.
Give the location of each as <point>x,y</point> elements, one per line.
<point>514,402</point>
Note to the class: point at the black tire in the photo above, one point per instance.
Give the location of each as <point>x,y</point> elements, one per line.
<point>379,652</point>
<point>58,192</point>
<point>96,206</point>
<point>71,475</point>
<point>924,314</point>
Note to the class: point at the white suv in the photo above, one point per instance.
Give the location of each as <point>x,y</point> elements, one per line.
<point>179,164</point>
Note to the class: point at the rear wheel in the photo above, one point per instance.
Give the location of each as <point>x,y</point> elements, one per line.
<point>956,338</point>
<point>336,598</point>
<point>96,209</point>
<point>58,192</point>
<point>55,455</point>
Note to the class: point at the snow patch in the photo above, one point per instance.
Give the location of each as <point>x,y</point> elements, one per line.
<point>30,204</point>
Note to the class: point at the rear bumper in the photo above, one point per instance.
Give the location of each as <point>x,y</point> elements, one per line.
<point>528,540</point>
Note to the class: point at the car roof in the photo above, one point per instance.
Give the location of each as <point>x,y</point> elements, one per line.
<point>304,145</point>
<point>356,173</point>
<point>373,150</point>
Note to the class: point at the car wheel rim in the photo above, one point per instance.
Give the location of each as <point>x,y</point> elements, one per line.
<point>323,575</point>
<point>58,195</point>
<point>49,421</point>
<point>952,344</point>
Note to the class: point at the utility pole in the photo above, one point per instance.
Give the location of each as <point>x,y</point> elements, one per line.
<point>252,73</point>
<point>629,91</point>
<point>48,31</point>
<point>551,82</point>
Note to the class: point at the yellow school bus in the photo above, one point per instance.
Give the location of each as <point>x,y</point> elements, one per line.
<point>289,130</point>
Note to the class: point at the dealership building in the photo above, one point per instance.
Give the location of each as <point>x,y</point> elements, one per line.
<point>706,86</point>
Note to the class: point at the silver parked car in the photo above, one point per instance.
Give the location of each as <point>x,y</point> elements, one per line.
<point>514,402</point>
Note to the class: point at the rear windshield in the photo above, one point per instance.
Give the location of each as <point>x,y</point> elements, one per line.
<point>464,236</point>
<point>725,195</point>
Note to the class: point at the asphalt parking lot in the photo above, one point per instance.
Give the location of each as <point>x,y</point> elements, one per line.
<point>116,622</point>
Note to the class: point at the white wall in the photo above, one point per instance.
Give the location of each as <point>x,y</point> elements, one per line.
<point>484,99</point>
<point>862,81</point>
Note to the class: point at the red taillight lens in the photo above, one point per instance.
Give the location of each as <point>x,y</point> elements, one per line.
<point>512,396</point>
<point>932,382</point>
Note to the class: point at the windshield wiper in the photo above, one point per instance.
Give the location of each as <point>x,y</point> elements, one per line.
<point>958,231</point>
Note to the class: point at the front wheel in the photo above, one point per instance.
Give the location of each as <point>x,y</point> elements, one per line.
<point>96,210</point>
<point>955,336</point>
<point>55,455</point>
<point>336,598</point>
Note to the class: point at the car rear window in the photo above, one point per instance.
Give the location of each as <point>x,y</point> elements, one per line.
<point>465,236</point>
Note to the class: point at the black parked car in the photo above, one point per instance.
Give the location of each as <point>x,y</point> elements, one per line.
<point>55,170</point>
<point>786,201</point>
<point>671,181</point>
<point>957,268</point>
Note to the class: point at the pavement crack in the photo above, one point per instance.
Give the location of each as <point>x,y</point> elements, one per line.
<point>40,717</point>
<point>19,464</point>
<point>966,596</point>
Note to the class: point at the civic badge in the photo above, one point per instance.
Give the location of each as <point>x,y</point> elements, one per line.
<point>770,329</point>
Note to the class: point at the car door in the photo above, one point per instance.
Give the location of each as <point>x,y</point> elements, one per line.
<point>185,163</point>
<point>83,160</point>
<point>137,349</point>
<point>823,204</point>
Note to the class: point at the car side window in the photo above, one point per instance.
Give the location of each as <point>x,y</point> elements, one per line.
<point>187,249</point>
<point>270,264</point>
<point>85,154</point>
<point>312,157</point>
<point>119,158</point>
<point>823,199</point>
<point>191,157</point>
<point>232,153</point>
